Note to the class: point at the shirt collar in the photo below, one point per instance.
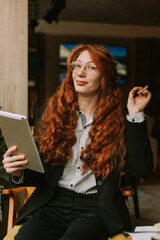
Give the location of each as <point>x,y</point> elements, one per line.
<point>82,117</point>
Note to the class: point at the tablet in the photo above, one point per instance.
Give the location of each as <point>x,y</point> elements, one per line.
<point>16,131</point>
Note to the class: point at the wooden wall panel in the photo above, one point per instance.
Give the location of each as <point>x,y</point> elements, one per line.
<point>13,56</point>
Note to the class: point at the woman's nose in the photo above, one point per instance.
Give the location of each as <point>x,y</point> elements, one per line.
<point>82,70</point>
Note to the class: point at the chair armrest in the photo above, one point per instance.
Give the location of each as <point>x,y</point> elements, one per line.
<point>13,190</point>
<point>13,209</point>
<point>127,191</point>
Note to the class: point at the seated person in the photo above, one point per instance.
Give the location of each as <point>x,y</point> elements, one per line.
<point>84,142</point>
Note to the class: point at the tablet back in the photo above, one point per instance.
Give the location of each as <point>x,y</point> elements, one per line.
<point>16,131</point>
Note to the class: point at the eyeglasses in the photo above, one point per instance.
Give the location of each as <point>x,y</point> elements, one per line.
<point>77,66</point>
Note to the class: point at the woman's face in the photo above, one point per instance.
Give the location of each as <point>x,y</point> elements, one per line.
<point>86,76</point>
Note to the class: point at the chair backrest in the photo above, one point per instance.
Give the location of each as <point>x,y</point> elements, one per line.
<point>28,192</point>
<point>16,201</point>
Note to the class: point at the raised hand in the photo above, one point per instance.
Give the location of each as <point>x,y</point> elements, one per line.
<point>138,99</point>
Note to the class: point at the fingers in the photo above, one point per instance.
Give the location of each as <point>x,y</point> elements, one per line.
<point>142,90</point>
<point>17,171</point>
<point>139,91</point>
<point>14,163</point>
<point>10,151</point>
<point>144,93</point>
<point>133,92</point>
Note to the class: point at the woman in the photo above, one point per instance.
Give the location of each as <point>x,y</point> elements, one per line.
<point>83,146</point>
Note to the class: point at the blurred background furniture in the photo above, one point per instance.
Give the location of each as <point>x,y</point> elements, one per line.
<point>153,140</point>
<point>128,180</point>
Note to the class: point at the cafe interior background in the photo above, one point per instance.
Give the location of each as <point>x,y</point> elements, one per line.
<point>131,31</point>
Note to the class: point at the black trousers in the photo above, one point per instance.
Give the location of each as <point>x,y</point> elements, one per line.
<point>68,216</point>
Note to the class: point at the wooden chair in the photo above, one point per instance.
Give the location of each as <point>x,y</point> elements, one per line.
<point>132,181</point>
<point>15,206</point>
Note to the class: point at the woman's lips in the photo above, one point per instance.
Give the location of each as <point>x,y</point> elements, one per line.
<point>81,83</point>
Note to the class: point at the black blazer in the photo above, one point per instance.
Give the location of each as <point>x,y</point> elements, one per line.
<point>139,163</point>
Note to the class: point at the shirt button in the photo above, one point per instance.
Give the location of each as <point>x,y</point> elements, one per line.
<point>84,127</point>
<point>133,120</point>
<point>81,147</point>
<point>78,167</point>
<point>71,185</point>
<point>100,182</point>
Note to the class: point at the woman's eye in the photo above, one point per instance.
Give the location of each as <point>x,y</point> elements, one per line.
<point>77,66</point>
<point>92,67</point>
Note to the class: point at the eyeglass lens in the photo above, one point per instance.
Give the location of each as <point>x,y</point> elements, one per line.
<point>89,67</point>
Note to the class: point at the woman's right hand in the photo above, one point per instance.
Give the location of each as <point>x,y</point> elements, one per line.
<point>14,163</point>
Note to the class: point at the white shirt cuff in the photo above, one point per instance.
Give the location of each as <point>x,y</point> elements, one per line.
<point>137,118</point>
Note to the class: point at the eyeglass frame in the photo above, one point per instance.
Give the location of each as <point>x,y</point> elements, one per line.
<point>83,65</point>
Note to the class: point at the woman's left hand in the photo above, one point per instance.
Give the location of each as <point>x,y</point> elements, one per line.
<point>138,99</point>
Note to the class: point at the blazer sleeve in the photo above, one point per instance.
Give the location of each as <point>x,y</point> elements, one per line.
<point>139,157</point>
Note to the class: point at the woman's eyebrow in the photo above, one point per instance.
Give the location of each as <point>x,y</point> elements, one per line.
<point>83,62</point>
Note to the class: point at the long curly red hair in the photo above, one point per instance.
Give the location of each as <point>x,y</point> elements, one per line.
<point>55,134</point>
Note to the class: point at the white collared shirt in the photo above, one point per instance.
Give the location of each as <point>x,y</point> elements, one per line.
<point>72,177</point>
